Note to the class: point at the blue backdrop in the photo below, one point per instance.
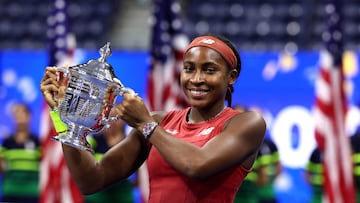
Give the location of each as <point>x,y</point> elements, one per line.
<point>282,85</point>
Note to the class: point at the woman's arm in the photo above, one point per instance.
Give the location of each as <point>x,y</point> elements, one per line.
<point>118,163</point>
<point>238,143</point>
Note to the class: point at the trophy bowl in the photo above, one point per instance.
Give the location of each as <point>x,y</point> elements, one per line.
<point>90,92</point>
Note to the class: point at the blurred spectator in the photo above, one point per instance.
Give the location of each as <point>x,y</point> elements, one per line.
<point>268,167</point>
<point>20,160</point>
<point>121,192</point>
<point>314,175</point>
<point>355,144</point>
<point>247,192</point>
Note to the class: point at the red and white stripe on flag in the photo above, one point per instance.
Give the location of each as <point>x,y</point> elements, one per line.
<point>164,90</point>
<point>330,111</point>
<point>56,183</point>
<point>168,44</point>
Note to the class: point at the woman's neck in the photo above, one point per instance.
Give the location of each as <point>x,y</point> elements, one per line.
<point>196,116</point>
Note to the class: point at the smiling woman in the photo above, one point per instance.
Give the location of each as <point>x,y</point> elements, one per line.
<point>217,144</point>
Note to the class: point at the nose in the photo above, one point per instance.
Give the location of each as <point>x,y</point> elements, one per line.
<point>197,77</point>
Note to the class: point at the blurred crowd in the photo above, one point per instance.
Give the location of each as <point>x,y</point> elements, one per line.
<point>251,25</point>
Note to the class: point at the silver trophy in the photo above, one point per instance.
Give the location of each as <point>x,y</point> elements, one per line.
<point>89,91</point>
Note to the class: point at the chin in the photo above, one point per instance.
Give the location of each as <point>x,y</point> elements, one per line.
<point>197,104</point>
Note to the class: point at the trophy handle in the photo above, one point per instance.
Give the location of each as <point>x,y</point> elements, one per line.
<point>122,89</point>
<point>62,72</point>
<point>62,77</point>
<point>106,122</point>
<point>127,90</point>
<point>105,119</point>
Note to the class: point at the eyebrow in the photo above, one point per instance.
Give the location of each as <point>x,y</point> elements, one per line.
<point>204,64</point>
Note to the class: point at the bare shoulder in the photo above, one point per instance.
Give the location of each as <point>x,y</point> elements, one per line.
<point>240,138</point>
<point>247,124</point>
<point>249,118</point>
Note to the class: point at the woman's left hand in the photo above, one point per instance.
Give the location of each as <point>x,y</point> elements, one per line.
<point>133,111</point>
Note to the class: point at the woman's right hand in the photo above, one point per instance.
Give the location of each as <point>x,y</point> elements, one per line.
<point>50,86</point>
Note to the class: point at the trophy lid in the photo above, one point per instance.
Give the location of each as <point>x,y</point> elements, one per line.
<point>99,68</point>
<point>104,52</point>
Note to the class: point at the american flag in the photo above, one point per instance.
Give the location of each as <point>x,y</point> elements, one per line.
<point>56,184</point>
<point>330,110</point>
<point>168,44</point>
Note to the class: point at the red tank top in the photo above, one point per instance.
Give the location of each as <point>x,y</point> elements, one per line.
<point>169,186</point>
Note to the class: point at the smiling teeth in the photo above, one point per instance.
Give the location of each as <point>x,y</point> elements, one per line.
<point>195,92</point>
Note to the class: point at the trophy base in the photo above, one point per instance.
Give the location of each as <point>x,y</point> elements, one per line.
<point>81,144</point>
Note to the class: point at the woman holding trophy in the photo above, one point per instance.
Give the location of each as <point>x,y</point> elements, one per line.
<point>198,154</point>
